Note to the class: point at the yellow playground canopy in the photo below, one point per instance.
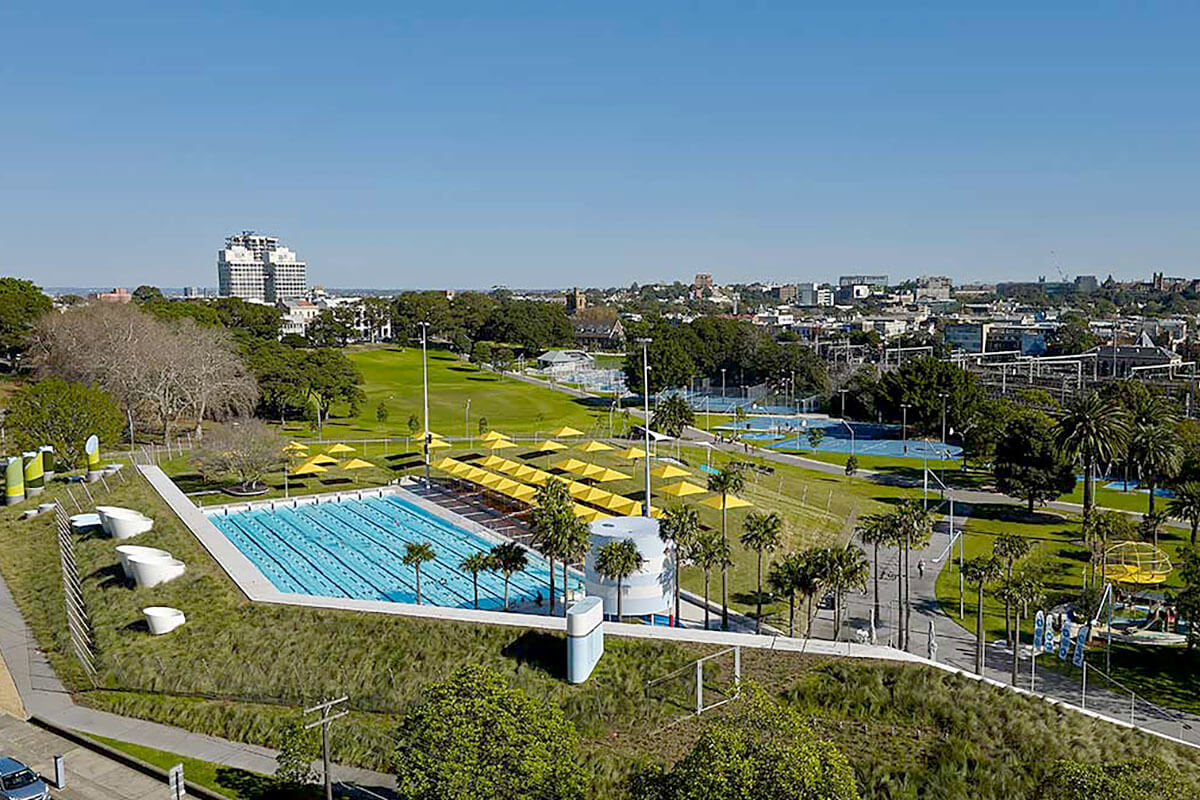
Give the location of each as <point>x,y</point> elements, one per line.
<point>431,435</point>
<point>1137,564</point>
<point>606,475</point>
<point>731,502</point>
<point>295,447</point>
<point>439,444</point>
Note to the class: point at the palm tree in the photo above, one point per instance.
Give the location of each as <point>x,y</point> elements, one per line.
<point>552,515</point>
<point>680,527</point>
<point>672,415</point>
<point>847,570</point>
<point>1157,455</point>
<point>729,480</point>
<point>810,573</point>
<point>1010,549</point>
<point>709,552</point>
<point>876,530</point>
<point>979,570</point>
<point>763,533</point>
<point>914,528</point>
<point>476,563</point>
<point>1186,505</point>
<point>416,554</point>
<point>1102,528</point>
<point>1022,592</point>
<point>508,558</point>
<point>1096,431</point>
<point>575,549</point>
<point>619,560</point>
<point>786,578</point>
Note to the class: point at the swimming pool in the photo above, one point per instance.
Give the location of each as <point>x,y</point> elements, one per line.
<point>353,548</point>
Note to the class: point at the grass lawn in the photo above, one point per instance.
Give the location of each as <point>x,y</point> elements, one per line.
<point>236,784</point>
<point>392,375</point>
<point>241,670</point>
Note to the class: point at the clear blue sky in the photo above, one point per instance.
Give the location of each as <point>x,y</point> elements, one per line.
<point>468,144</point>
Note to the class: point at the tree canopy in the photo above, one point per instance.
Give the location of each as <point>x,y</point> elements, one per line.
<point>21,304</point>
<point>1028,464</point>
<point>62,414</point>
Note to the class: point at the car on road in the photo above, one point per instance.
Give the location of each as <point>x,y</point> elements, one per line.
<point>19,782</point>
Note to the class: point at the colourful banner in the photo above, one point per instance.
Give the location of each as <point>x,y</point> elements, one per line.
<point>1081,645</point>
<point>1039,629</point>
<point>1064,644</point>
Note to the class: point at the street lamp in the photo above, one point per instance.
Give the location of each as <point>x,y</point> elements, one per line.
<point>904,427</point>
<point>842,392</point>
<point>646,422</point>
<point>467,423</point>
<point>851,429</point>
<point>425,394</point>
<point>722,382</point>
<point>942,460</point>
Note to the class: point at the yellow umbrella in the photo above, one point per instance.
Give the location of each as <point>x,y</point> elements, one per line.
<point>506,485</point>
<point>492,436</point>
<point>606,475</point>
<point>632,453</point>
<point>475,474</point>
<point>340,448</point>
<point>421,436</point>
<point>460,469</point>
<point>577,489</point>
<point>667,471</point>
<point>682,489</point>
<point>492,461</point>
<point>492,480</point>
<point>322,460</point>
<point>731,502</point>
<point>590,470</point>
<point>524,493</point>
<point>498,444</point>
<point>439,444</point>
<point>444,464</point>
<point>539,477</point>
<point>357,463</point>
<point>569,464</point>
<point>524,472</point>
<point>309,469</point>
<point>594,495</point>
<point>550,446</point>
<point>595,447</point>
<point>622,505</point>
<point>295,447</point>
<point>564,432</point>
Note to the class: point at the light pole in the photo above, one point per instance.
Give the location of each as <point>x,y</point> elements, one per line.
<point>904,428</point>
<point>842,392</point>
<point>722,382</point>
<point>467,423</point>
<point>851,429</point>
<point>646,422</point>
<point>425,395</point>
<point>942,459</point>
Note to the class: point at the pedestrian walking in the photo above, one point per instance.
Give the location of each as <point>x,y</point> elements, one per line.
<point>921,568</point>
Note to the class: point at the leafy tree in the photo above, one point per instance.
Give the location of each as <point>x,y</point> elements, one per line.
<point>298,749</point>
<point>21,305</point>
<point>555,526</point>
<point>1021,592</point>
<point>1009,548</point>
<point>330,377</point>
<point>381,412</point>
<point>710,551</point>
<point>502,358</point>
<point>482,354</point>
<point>329,329</point>
<point>728,480</point>
<point>1095,431</point>
<point>508,558</point>
<point>1186,505</point>
<point>680,527</point>
<point>473,737</point>
<point>475,563</point>
<point>414,424</point>
<point>251,319</point>
<point>764,751</point>
<point>670,362</point>
<point>619,560</point>
<point>278,369</point>
<point>921,382</point>
<point>672,415</point>
<point>483,425</point>
<point>1188,600</point>
<point>1028,463</point>
<point>1155,451</point>
<point>416,554</point>
<point>762,533</point>
<point>877,530</point>
<point>851,467</point>
<point>1073,336</point>
<point>980,570</point>
<point>62,414</point>
<point>242,450</point>
<point>815,435</point>
<point>786,577</point>
<point>913,525</point>
<point>1124,780</point>
<point>145,294</point>
<point>846,569</point>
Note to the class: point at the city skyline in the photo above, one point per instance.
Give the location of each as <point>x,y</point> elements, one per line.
<point>508,146</point>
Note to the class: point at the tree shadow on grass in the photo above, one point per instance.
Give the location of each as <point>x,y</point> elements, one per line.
<point>541,651</point>
<point>483,378</point>
<point>253,786</point>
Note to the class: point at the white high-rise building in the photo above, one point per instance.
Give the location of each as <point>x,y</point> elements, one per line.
<point>255,267</point>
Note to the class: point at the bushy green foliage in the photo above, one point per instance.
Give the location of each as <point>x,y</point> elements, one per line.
<point>1143,779</point>
<point>298,749</point>
<point>672,415</point>
<point>1028,464</point>
<point>63,414</point>
<point>763,751</point>
<point>473,737</point>
<point>21,304</point>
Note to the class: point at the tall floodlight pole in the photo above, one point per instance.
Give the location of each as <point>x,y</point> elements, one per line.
<point>842,392</point>
<point>425,392</point>
<point>467,425</point>
<point>904,428</point>
<point>327,716</point>
<point>646,423</point>
<point>722,381</point>
<point>942,459</point>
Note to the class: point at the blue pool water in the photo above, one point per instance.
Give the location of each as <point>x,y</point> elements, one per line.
<point>354,549</point>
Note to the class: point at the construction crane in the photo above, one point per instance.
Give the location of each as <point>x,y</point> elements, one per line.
<point>1058,267</point>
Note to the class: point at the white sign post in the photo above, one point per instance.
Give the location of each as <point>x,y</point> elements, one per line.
<point>175,779</point>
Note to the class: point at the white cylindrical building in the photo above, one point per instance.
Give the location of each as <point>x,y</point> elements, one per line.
<point>647,591</point>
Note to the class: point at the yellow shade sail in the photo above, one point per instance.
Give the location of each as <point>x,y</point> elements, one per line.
<point>577,489</point>
<point>322,460</point>
<point>538,478</point>
<point>295,447</point>
<point>682,489</point>
<point>524,493</point>
<point>668,471</point>
<point>622,505</point>
<point>475,474</point>
<point>492,480</point>
<point>731,502</point>
<point>569,464</point>
<point>606,475</point>
<point>357,463</point>
<point>431,434</point>
<point>590,470</point>
<point>447,463</point>
<point>499,444</point>
<point>492,461</point>
<point>492,436</point>
<point>564,432</point>
<point>594,447</point>
<point>594,495</point>
<point>550,446</point>
<point>506,485</point>
<point>524,472</point>
<point>309,469</point>
<point>631,453</point>
<point>588,514</point>
<point>439,444</point>
<point>340,448</point>
<point>460,469</point>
